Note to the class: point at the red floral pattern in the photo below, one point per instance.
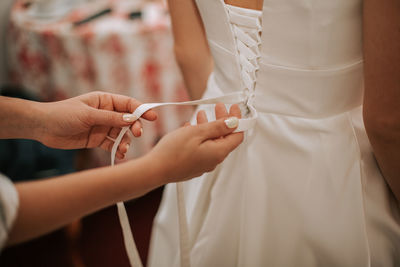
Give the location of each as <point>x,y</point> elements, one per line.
<point>131,57</point>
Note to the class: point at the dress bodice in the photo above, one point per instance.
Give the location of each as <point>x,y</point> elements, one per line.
<point>303,189</point>
<point>311,55</point>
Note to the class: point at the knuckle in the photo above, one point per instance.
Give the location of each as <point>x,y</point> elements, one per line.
<point>133,104</point>
<point>97,92</point>
<point>93,94</point>
<point>101,94</point>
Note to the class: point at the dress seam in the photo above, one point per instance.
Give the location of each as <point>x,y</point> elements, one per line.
<point>221,47</point>
<point>338,68</point>
<point>341,67</point>
<point>362,184</point>
<point>235,53</point>
<point>243,211</point>
<point>273,113</point>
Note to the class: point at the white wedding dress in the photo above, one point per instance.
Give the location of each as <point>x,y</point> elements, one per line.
<point>304,188</point>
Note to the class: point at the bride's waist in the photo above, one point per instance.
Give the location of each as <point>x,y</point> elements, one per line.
<point>310,94</point>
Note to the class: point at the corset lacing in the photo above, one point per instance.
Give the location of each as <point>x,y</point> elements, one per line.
<point>246,27</point>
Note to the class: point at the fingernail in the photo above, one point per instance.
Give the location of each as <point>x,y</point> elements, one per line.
<point>129,117</point>
<point>232,122</point>
<point>127,147</point>
<point>141,131</point>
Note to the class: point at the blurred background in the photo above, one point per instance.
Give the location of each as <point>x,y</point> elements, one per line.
<point>55,49</point>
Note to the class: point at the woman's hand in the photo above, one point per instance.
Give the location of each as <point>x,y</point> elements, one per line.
<point>192,150</point>
<point>48,204</point>
<point>90,120</point>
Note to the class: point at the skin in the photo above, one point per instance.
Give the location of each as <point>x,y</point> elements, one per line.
<point>381,46</point>
<point>256,4</point>
<point>85,121</point>
<point>86,125</point>
<point>382,86</point>
<point>189,36</point>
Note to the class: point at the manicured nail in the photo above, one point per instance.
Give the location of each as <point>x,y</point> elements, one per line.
<point>141,131</point>
<point>129,117</point>
<point>127,147</point>
<point>232,122</point>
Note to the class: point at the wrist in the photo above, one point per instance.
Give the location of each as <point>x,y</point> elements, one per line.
<point>19,118</point>
<point>156,169</point>
<point>136,178</point>
<point>37,117</point>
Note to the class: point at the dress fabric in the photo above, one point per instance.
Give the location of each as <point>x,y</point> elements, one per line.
<point>304,188</point>
<point>8,208</point>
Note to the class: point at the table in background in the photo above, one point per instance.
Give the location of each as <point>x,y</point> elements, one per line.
<point>55,60</point>
<point>134,57</point>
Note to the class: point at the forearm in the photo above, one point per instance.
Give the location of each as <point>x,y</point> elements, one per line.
<point>387,152</point>
<point>180,155</point>
<point>382,85</point>
<point>52,203</point>
<point>194,74</point>
<point>190,45</point>
<point>19,118</point>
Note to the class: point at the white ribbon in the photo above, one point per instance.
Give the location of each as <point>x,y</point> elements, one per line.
<point>244,125</point>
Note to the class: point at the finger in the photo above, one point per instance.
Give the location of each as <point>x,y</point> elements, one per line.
<point>218,128</point>
<point>126,139</point>
<point>201,117</point>
<point>137,129</point>
<point>150,115</point>
<point>220,111</point>
<point>119,155</point>
<point>223,146</point>
<point>114,110</point>
<point>128,104</point>
<point>230,142</point>
<point>122,149</point>
<point>114,132</point>
<point>107,145</point>
<point>110,118</point>
<point>235,111</point>
<point>124,145</point>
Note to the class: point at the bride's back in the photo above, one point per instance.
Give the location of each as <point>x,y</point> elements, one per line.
<point>304,188</point>
<point>316,46</point>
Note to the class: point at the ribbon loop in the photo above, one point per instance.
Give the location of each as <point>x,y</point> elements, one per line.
<point>244,125</point>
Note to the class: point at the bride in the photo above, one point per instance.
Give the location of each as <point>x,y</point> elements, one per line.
<point>304,189</point>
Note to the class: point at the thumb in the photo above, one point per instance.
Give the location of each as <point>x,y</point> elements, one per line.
<point>218,128</point>
<point>111,118</point>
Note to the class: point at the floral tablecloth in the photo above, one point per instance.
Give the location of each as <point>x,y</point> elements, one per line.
<point>56,60</point>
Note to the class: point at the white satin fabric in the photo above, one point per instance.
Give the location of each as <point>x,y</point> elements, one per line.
<point>9,203</point>
<point>303,189</point>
